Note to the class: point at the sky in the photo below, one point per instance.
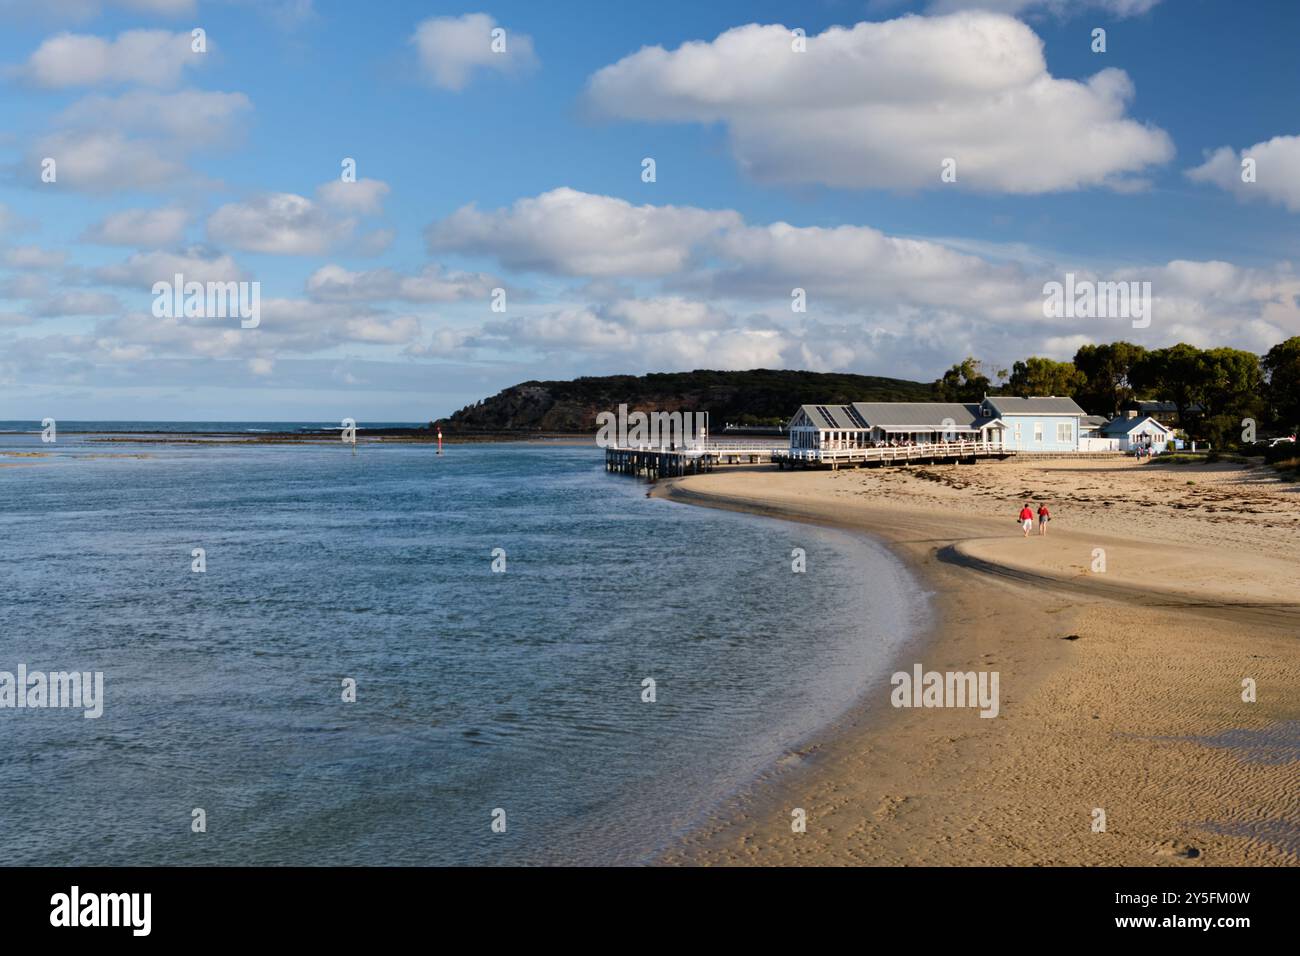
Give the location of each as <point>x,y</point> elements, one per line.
<point>499,221</point>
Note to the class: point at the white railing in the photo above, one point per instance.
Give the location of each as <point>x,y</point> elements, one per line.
<point>712,447</point>
<point>947,449</point>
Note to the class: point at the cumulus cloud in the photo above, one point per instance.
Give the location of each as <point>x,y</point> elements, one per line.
<point>33,257</point>
<point>104,162</point>
<point>196,117</point>
<point>293,225</point>
<point>876,302</point>
<point>575,233</point>
<point>288,326</point>
<point>364,197</point>
<point>196,263</point>
<point>432,284</point>
<point>1277,171</point>
<point>77,303</point>
<point>882,105</point>
<point>278,223</point>
<point>137,57</point>
<point>140,227</point>
<point>27,285</point>
<point>450,49</point>
<point>1117,8</point>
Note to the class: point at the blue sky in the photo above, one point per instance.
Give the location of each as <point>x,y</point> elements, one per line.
<point>522,171</point>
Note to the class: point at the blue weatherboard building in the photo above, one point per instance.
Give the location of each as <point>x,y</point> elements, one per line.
<point>1036,424</point>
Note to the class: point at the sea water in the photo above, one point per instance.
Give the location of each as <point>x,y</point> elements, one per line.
<point>517,696</point>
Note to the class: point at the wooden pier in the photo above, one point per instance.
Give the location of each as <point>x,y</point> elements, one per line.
<point>657,462</point>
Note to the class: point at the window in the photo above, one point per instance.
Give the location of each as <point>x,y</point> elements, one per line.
<point>1064,432</point>
<point>1038,433</point>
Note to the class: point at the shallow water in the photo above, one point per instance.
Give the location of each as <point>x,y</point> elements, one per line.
<point>475,690</point>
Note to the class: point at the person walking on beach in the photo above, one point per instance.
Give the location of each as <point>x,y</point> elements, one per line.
<point>1027,518</point>
<point>1044,516</point>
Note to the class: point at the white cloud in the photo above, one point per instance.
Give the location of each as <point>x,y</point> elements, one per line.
<point>575,233</point>
<point>140,227</point>
<point>33,257</point>
<point>880,303</point>
<point>27,285</point>
<point>450,49</point>
<point>197,117</point>
<point>1118,8</point>
<point>433,284</point>
<point>143,269</point>
<point>1277,171</point>
<point>278,223</point>
<point>77,303</point>
<point>104,162</point>
<point>143,57</point>
<point>666,313</point>
<point>881,105</point>
<point>365,197</point>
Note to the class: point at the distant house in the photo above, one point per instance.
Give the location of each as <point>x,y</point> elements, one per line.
<point>1132,433</point>
<point>1090,436</point>
<point>1090,426</point>
<point>1162,411</point>
<point>1028,424</point>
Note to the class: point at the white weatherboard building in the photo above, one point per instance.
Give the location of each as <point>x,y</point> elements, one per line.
<point>1016,424</point>
<point>1132,433</point>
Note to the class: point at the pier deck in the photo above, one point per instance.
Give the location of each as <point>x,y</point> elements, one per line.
<point>656,462</point>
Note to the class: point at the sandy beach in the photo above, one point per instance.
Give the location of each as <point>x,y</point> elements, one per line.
<point>1121,689</point>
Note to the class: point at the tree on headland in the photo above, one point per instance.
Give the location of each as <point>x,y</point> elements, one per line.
<point>1044,376</point>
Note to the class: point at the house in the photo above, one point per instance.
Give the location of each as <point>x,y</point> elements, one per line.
<point>1090,425</point>
<point>1037,424</point>
<point>1090,436</point>
<point>1132,433</point>
<point>1028,424</point>
<point>1164,411</point>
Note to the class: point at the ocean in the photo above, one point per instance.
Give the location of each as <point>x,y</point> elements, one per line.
<point>512,696</point>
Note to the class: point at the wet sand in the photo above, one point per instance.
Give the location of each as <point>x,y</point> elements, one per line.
<point>1120,689</point>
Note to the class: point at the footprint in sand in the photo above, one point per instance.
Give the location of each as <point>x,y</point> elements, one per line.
<point>1176,849</point>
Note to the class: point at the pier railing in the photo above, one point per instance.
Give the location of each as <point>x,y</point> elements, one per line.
<point>922,450</point>
<point>665,461</point>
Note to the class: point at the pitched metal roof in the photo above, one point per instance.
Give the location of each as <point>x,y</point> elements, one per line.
<point>920,416</point>
<point>831,416</point>
<point>1008,405</point>
<point>1124,426</point>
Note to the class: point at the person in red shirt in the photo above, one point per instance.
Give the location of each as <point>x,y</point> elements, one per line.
<point>1044,516</point>
<point>1027,518</point>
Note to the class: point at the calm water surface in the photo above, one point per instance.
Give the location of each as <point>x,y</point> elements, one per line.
<point>475,690</point>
